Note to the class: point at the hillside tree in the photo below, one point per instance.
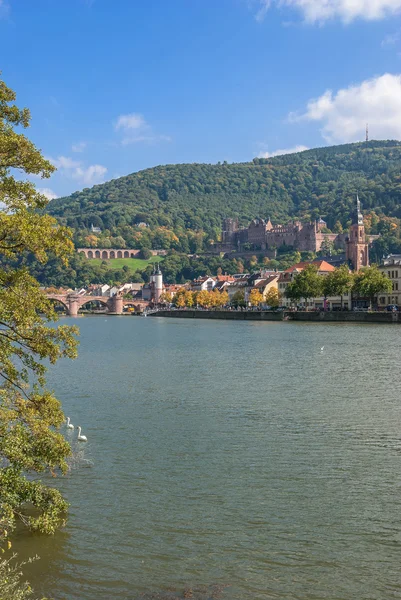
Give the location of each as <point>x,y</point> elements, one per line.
<point>30,415</point>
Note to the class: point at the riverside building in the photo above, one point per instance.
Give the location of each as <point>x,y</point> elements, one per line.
<point>391,266</point>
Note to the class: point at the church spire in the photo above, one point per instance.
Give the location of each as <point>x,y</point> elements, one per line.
<point>358,217</point>
<point>357,245</point>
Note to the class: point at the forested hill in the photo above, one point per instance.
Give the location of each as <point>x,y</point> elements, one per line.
<point>183,205</point>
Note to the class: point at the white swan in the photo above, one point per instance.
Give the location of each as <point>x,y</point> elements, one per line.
<point>81,438</point>
<point>69,425</point>
<point>321,349</point>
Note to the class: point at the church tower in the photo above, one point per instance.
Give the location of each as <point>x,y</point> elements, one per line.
<point>357,246</point>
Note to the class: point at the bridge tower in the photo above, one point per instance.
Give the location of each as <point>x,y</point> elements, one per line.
<point>158,283</point>
<point>117,304</point>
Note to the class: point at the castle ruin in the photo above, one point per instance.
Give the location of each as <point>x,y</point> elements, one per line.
<point>262,235</point>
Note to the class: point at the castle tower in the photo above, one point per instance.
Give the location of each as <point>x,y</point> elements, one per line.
<point>357,247</point>
<point>230,227</point>
<point>158,283</point>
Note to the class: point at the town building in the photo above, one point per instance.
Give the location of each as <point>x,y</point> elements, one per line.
<point>203,283</point>
<point>391,266</point>
<point>239,285</point>
<point>267,284</point>
<point>172,289</point>
<point>101,290</point>
<point>329,303</point>
<point>287,277</point>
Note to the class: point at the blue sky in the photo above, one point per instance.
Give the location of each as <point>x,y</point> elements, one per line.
<point>115,86</point>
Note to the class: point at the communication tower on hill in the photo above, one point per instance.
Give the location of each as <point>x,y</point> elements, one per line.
<point>367,132</point>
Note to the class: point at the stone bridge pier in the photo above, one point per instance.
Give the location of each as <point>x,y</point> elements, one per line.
<point>72,305</point>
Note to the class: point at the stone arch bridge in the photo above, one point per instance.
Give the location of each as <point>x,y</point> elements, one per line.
<point>73,302</point>
<point>109,254</point>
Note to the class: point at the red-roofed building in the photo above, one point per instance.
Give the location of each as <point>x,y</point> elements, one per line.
<point>323,268</point>
<point>173,288</point>
<point>228,278</point>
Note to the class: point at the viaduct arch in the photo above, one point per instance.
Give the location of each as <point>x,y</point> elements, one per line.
<point>110,253</point>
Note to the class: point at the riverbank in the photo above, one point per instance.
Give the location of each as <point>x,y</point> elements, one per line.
<point>265,315</point>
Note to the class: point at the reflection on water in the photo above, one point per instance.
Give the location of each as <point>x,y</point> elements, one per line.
<point>231,460</point>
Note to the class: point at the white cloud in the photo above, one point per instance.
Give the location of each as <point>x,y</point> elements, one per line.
<point>293,150</point>
<point>344,114</point>
<point>50,195</point>
<point>131,121</point>
<point>64,162</point>
<point>264,7</point>
<point>91,175</point>
<point>79,147</point>
<point>74,169</point>
<point>319,11</point>
<point>136,130</point>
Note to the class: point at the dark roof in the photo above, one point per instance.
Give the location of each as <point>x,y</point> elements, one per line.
<point>264,282</point>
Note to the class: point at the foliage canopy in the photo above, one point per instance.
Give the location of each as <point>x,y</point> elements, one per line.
<point>370,281</point>
<point>306,284</point>
<point>181,207</point>
<point>29,414</point>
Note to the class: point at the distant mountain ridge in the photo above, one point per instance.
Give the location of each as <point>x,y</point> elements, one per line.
<point>177,201</point>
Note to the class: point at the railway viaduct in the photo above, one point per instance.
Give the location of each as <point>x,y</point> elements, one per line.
<point>109,254</point>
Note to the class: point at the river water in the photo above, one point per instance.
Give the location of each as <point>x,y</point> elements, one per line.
<point>228,458</point>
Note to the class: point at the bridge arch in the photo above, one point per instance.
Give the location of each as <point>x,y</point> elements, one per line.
<point>105,254</point>
<point>98,301</point>
<point>126,254</point>
<point>97,253</point>
<point>63,303</point>
<point>112,254</point>
<point>89,254</point>
<point>119,254</point>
